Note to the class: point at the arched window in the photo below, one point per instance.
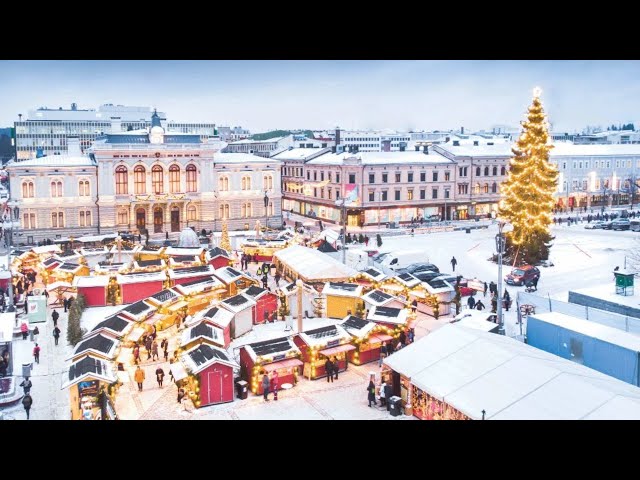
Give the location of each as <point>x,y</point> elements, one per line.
<point>223,184</point>
<point>27,190</point>
<point>192,178</point>
<point>477,171</point>
<point>486,171</point>
<point>83,188</point>
<point>57,220</point>
<point>28,221</point>
<point>157,180</point>
<point>246,210</point>
<point>246,182</point>
<point>503,170</point>
<point>267,182</point>
<point>174,178</point>
<point>56,188</point>
<point>122,180</point>
<point>191,212</point>
<point>494,188</point>
<point>224,211</point>
<point>140,180</point>
<point>495,170</point>
<point>476,189</point>
<point>123,216</point>
<point>486,188</point>
<point>85,218</point>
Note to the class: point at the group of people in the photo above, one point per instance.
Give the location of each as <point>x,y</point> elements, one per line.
<point>332,367</point>
<point>150,343</point>
<point>383,392</point>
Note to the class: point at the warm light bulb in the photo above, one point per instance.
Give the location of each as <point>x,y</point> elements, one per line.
<point>537,91</point>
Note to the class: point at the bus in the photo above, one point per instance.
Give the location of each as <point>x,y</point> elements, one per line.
<point>635,225</point>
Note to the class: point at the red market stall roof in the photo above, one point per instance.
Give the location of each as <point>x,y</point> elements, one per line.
<point>238,303</point>
<point>340,289</point>
<point>200,357</point>
<point>199,285</point>
<point>164,298</point>
<point>229,275</point>
<point>191,272</point>
<point>256,292</point>
<point>138,311</point>
<point>115,325</point>
<point>51,263</point>
<point>388,315</point>
<point>217,252</point>
<point>291,362</point>
<point>216,315</point>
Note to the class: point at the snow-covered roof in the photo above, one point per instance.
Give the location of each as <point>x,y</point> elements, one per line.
<point>322,336</point>
<point>164,297</point>
<point>356,326</point>
<point>94,251</point>
<point>407,280</point>
<point>373,274</point>
<point>93,281</point>
<point>313,265</point>
<point>607,334</point>
<point>476,319</point>
<point>99,344</point>
<point>388,315</point>
<point>141,277</point>
<point>53,161</point>
<point>238,303</point>
<point>301,153</point>
<point>438,285</point>
<point>239,158</point>
<point>178,251</point>
<point>214,314</point>
<point>272,350</point>
<point>139,310</point>
<point>229,274</point>
<point>561,149</point>
<point>202,330</point>
<point>116,325</point>
<point>378,298</point>
<point>383,158</point>
<point>217,252</point>
<point>249,140</point>
<point>90,367</point>
<point>473,371</point>
<point>202,356</point>
<point>340,289</point>
<point>329,235</point>
<point>191,272</point>
<point>46,249</point>
<point>199,285</point>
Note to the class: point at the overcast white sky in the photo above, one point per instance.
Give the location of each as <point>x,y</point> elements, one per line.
<point>266,95</point>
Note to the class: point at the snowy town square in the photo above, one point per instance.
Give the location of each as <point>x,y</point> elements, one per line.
<point>161,269</point>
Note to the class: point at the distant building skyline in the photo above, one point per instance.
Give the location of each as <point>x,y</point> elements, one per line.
<point>354,95</point>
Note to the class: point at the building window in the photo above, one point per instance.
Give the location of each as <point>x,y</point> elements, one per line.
<point>410,177</point>
<point>398,177</point>
<point>157,180</point>
<point>123,216</point>
<point>29,221</point>
<point>192,178</point>
<point>329,193</point>
<point>463,189</point>
<point>352,178</point>
<point>372,196</point>
<point>322,176</point>
<point>446,193</point>
<point>478,171</point>
<point>27,190</point>
<point>224,211</point>
<point>397,194</point>
<point>191,213</point>
<point>57,220</point>
<point>485,189</point>
<point>267,182</point>
<point>223,184</point>
<point>337,179</point>
<point>434,193</point>
<point>83,188</point>
<point>329,176</point>
<point>372,178</point>
<point>56,189</point>
<point>174,178</point>
<point>322,193</point>
<point>246,210</point>
<point>246,183</point>
<point>409,194</point>
<point>447,176</point>
<point>423,176</point>
<point>494,188</point>
<point>384,196</point>
<point>435,176</point>
<point>486,171</point>
<point>462,171</point>
<point>315,175</point>
<point>308,175</point>
<point>140,180</point>
<point>385,177</point>
<point>315,192</point>
<point>85,218</point>
<point>423,194</point>
<point>495,170</point>
<point>503,170</point>
<point>122,180</point>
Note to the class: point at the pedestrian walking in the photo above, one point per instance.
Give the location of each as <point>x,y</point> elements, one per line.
<point>65,304</point>
<point>336,366</point>
<point>170,371</point>
<point>454,262</point>
<point>138,376</point>
<point>328,368</point>
<point>27,401</point>
<point>26,385</point>
<point>36,353</point>
<point>56,334</point>
<point>55,316</point>
<point>480,305</point>
<point>471,302</point>
<point>486,287</point>
<point>24,329</point>
<point>265,387</point>
<point>411,334</point>
<point>414,306</point>
<point>159,376</point>
<point>383,399</point>
<point>154,350</point>
<point>277,279</point>
<point>136,354</point>
<point>402,338</point>
<point>147,344</point>
<point>265,280</point>
<point>166,350</point>
<point>275,383</point>
<point>384,351</point>
<point>371,392</point>
<point>181,394</point>
<point>36,332</point>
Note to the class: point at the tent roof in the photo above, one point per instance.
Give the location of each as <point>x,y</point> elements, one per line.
<point>313,265</point>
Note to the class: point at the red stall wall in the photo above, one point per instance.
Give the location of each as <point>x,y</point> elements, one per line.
<point>219,262</point>
<point>227,334</point>
<point>96,296</point>
<point>267,303</point>
<point>216,385</point>
<point>132,292</point>
<point>369,356</point>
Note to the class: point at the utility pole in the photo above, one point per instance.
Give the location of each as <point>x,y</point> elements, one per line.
<point>500,247</point>
<point>344,231</point>
<point>299,284</point>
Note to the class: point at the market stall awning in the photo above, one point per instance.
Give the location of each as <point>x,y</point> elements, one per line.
<point>178,371</point>
<point>291,362</point>
<point>379,338</point>
<point>177,306</point>
<point>340,348</point>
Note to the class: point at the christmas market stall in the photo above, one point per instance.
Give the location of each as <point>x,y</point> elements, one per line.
<point>99,345</point>
<point>172,308</point>
<point>319,344</point>
<point>262,250</point>
<point>186,274</point>
<point>311,266</point>
<point>148,266</point>
<point>266,304</point>
<point>234,280</point>
<point>51,263</point>
<point>439,291</point>
<point>93,288</point>
<point>290,294</point>
<point>108,267</point>
<point>68,271</point>
<point>368,277</point>
<point>200,286</point>
<point>139,311</point>
<point>138,286</point>
<point>185,255</point>
<point>116,326</point>
<point>211,375</point>
<point>200,333</point>
<point>242,308</point>
<point>378,298</point>
<point>366,337</point>
<point>278,354</point>
<point>343,299</point>
<point>94,251</point>
<point>92,384</point>
<point>216,316</point>
<point>150,252</point>
<point>218,257</point>
<point>393,320</point>
<point>184,261</point>
<point>59,290</point>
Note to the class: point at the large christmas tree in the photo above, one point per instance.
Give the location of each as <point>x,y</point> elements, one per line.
<point>224,238</point>
<point>527,195</point>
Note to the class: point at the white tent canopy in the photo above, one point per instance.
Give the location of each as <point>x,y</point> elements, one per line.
<point>312,265</point>
<point>474,371</point>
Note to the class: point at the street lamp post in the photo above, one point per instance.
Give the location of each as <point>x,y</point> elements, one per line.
<point>266,211</point>
<point>7,228</point>
<point>500,247</point>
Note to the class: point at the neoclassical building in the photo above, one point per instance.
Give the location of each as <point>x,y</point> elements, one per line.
<point>161,181</point>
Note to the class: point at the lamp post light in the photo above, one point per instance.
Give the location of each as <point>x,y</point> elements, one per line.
<point>7,228</point>
<point>500,248</point>
<point>266,211</point>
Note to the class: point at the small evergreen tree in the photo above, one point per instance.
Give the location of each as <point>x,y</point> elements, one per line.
<point>378,240</point>
<point>283,309</point>
<point>74,331</point>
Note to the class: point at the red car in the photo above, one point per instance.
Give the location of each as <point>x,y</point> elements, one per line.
<point>522,275</point>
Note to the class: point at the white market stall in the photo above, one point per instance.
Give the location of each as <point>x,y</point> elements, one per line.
<point>311,265</point>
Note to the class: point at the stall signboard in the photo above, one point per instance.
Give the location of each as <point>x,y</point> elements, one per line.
<point>37,308</point>
<point>476,284</point>
<point>333,343</point>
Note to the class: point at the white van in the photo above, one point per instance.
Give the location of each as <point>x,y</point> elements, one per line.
<point>402,259</point>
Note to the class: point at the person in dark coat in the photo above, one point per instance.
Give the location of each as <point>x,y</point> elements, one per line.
<point>471,302</point>
<point>486,287</point>
<point>277,279</point>
<point>65,304</point>
<point>388,393</point>
<point>147,344</point>
<point>265,387</point>
<point>454,262</point>
<point>480,305</point>
<point>27,401</point>
<point>265,281</point>
<point>336,366</point>
<point>159,376</point>
<point>55,316</point>
<point>507,300</point>
<point>328,367</point>
<point>402,338</point>
<point>371,393</point>
<point>181,395</point>
<point>56,334</point>
<point>383,353</point>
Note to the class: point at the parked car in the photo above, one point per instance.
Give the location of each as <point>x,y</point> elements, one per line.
<point>447,277</point>
<point>522,275</point>
<point>607,225</point>
<point>595,225</point>
<point>426,275</point>
<point>621,224</point>
<point>420,267</point>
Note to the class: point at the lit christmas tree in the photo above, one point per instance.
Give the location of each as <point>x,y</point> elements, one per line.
<point>527,195</point>
<point>225,243</point>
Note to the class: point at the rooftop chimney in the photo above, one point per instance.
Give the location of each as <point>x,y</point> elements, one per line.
<point>456,143</point>
<point>426,149</point>
<point>417,148</point>
<point>475,143</point>
<point>74,106</point>
<point>337,135</point>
